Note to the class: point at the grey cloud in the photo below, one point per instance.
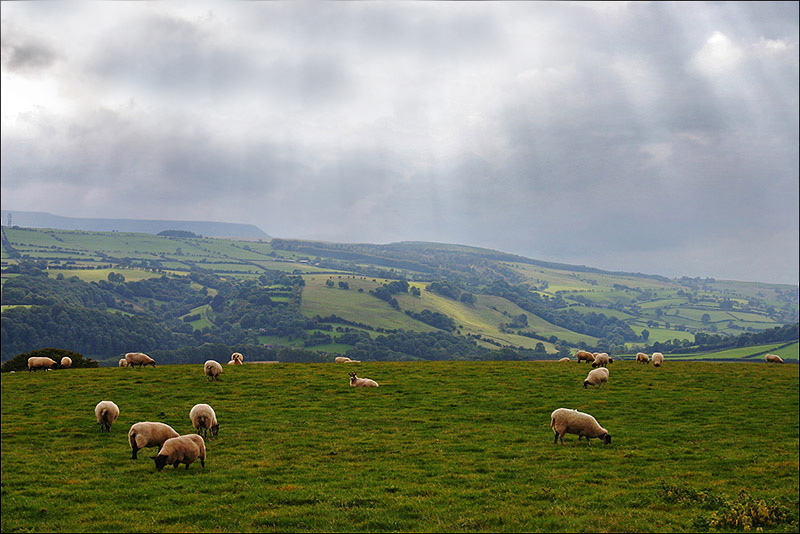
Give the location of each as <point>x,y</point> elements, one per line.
<point>25,53</point>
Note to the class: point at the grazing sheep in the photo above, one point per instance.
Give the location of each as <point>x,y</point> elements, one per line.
<point>773,358</point>
<point>123,362</point>
<point>658,359</point>
<point>106,413</point>
<point>66,362</point>
<point>362,382</point>
<point>565,359</point>
<point>204,419</point>
<point>596,377</point>
<point>147,434</point>
<point>181,450</point>
<point>601,360</point>
<point>566,421</point>
<point>212,369</point>
<point>643,358</point>
<point>139,358</point>
<point>40,362</point>
<point>584,356</point>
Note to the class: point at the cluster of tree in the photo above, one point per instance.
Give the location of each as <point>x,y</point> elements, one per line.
<point>387,291</point>
<point>435,319</point>
<point>20,362</point>
<point>704,342</point>
<point>179,233</point>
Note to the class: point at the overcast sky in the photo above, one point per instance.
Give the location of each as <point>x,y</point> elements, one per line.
<point>646,137</point>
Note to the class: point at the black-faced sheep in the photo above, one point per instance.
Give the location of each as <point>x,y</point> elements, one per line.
<point>139,358</point>
<point>584,356</point>
<point>181,450</point>
<point>566,421</point>
<point>204,419</point>
<point>596,377</point>
<point>149,434</point>
<point>773,358</point>
<point>658,359</point>
<point>362,382</point>
<point>106,413</point>
<point>641,357</point>
<point>40,362</point>
<point>212,369</point>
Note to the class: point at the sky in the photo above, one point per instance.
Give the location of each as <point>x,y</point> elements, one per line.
<point>658,137</point>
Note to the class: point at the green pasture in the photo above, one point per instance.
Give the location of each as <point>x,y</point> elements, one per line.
<point>94,275</point>
<point>662,334</point>
<point>438,447</point>
<point>790,352</point>
<point>737,353</point>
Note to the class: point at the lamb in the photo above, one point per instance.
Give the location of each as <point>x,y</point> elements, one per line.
<point>40,362</point>
<point>658,359</point>
<point>204,419</point>
<point>147,434</point>
<point>773,358</point>
<point>582,355</point>
<point>182,449</point>
<point>345,359</point>
<point>643,358</point>
<point>565,359</point>
<point>596,377</point>
<point>66,362</point>
<point>123,362</point>
<point>106,413</point>
<point>139,358</point>
<point>212,369</point>
<point>566,421</point>
<point>601,360</point>
<point>362,382</point>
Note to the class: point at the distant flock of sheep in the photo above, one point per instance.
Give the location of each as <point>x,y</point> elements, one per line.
<point>175,449</point>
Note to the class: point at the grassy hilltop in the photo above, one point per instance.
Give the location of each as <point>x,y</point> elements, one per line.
<point>439,447</point>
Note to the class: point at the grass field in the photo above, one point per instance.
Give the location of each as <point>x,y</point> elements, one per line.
<point>444,447</point>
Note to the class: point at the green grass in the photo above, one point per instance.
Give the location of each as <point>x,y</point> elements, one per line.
<point>444,447</point>
<point>737,353</point>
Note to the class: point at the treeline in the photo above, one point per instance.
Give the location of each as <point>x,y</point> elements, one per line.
<point>20,362</point>
<point>705,342</point>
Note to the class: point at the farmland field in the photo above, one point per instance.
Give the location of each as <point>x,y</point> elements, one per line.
<point>444,446</point>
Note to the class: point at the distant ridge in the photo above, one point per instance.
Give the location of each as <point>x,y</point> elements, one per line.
<point>40,219</point>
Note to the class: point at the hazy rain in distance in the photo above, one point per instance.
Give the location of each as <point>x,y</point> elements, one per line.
<point>652,137</point>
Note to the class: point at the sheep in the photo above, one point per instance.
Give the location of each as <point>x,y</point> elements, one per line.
<point>362,382</point>
<point>596,377</point>
<point>123,362</point>
<point>565,359</point>
<point>601,360</point>
<point>66,362</point>
<point>40,362</point>
<point>584,356</point>
<point>212,369</point>
<point>643,358</point>
<point>658,359</point>
<point>345,359</point>
<point>204,419</point>
<point>773,358</point>
<point>139,358</point>
<point>237,358</point>
<point>182,449</point>
<point>147,434</point>
<point>106,413</point>
<point>566,421</point>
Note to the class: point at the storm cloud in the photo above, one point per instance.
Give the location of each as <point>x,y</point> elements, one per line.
<point>648,137</point>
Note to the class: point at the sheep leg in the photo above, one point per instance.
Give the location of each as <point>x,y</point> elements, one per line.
<point>134,453</point>
<point>555,439</point>
<point>203,462</point>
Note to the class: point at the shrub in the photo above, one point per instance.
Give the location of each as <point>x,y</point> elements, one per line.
<point>20,362</point>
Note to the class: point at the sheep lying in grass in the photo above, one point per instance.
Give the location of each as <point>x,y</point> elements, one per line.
<point>584,356</point>
<point>566,421</point>
<point>658,359</point>
<point>362,382</point>
<point>204,419</point>
<point>641,357</point>
<point>596,377</point>
<point>148,434</point>
<point>40,362</point>
<point>123,362</point>
<point>565,359</point>
<point>601,360</point>
<point>66,362</point>
<point>181,450</point>
<point>345,359</point>
<point>106,413</point>
<point>212,369</point>
<point>773,358</point>
<point>139,358</point>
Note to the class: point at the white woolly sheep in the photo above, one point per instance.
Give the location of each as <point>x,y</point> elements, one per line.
<point>106,413</point>
<point>123,362</point>
<point>181,450</point>
<point>212,369</point>
<point>362,382</point>
<point>566,421</point>
<point>601,360</point>
<point>149,434</point>
<point>204,419</point>
<point>235,362</point>
<point>40,362</point>
<point>584,356</point>
<point>596,377</point>
<point>565,359</point>
<point>773,358</point>
<point>341,359</point>
<point>237,357</point>
<point>139,358</point>
<point>658,359</point>
<point>66,362</point>
<point>641,357</point>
